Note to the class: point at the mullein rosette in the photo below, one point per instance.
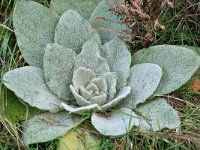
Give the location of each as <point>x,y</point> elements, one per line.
<point>72,72</point>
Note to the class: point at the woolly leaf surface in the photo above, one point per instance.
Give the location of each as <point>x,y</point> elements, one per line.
<point>83,7</point>
<point>80,109</point>
<point>90,58</point>
<point>107,24</point>
<point>82,76</point>
<point>101,84</point>
<point>144,80</point>
<point>73,31</point>
<point>157,114</point>
<point>111,79</point>
<point>34,26</point>
<point>119,59</point>
<point>58,69</point>
<point>81,101</point>
<point>47,126</point>
<point>117,123</point>
<point>120,97</point>
<point>28,83</point>
<point>178,64</point>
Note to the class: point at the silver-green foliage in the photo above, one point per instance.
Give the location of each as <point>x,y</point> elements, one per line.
<point>46,127</point>
<point>108,24</point>
<point>35,32</point>
<point>79,31</point>
<point>83,7</point>
<point>169,82</point>
<point>79,75</point>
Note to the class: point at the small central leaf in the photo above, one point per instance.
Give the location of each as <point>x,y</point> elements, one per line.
<point>90,58</point>
<point>100,99</point>
<point>73,31</point>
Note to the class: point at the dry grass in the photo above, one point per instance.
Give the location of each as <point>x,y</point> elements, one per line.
<point>156,22</point>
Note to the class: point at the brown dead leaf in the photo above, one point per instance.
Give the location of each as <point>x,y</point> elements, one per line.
<point>195,87</point>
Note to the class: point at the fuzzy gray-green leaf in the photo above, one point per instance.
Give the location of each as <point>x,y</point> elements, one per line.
<point>83,7</point>
<point>117,123</point>
<point>107,24</point>
<point>143,80</point>
<point>46,127</point>
<point>73,31</point>
<point>119,59</point>
<point>28,83</point>
<point>101,84</point>
<point>58,69</point>
<point>81,109</point>
<point>99,99</point>
<point>195,49</point>
<point>157,114</point>
<point>82,76</point>
<point>111,79</point>
<point>81,101</point>
<point>178,64</point>
<point>34,26</point>
<point>90,58</point>
<point>84,93</point>
<point>120,97</point>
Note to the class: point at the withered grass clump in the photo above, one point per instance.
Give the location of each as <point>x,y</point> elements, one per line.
<point>151,19</point>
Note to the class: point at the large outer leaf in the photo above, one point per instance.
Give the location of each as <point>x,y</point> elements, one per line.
<point>178,64</point>
<point>195,49</point>
<point>34,26</point>
<point>107,24</point>
<point>83,7</point>
<point>144,80</point>
<point>116,123</point>
<point>158,115</point>
<point>119,59</point>
<point>90,58</point>
<point>28,83</point>
<point>73,31</point>
<point>58,69</point>
<point>46,127</point>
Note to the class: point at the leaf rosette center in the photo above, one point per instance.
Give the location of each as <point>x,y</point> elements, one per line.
<point>94,91</point>
<point>88,88</point>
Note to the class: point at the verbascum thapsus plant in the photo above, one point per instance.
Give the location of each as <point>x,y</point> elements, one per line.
<point>76,69</point>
